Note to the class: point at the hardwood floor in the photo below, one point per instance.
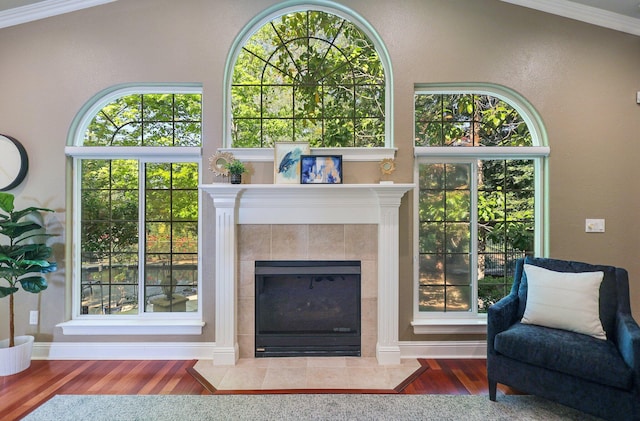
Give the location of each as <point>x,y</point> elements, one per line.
<point>23,392</point>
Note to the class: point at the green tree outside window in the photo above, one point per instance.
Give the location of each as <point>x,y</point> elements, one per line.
<point>308,76</point>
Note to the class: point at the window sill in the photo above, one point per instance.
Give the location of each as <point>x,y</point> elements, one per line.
<point>348,154</point>
<point>132,327</point>
<point>476,325</point>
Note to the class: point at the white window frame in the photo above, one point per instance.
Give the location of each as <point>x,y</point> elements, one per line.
<point>144,323</point>
<point>473,322</point>
<point>348,154</point>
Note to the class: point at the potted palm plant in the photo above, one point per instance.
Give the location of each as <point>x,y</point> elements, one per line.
<point>23,260</point>
<point>236,169</point>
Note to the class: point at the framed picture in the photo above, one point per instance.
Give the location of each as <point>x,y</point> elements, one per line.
<point>321,169</point>
<point>286,162</point>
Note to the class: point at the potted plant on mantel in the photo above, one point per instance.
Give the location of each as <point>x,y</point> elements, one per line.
<point>236,169</point>
<point>23,259</point>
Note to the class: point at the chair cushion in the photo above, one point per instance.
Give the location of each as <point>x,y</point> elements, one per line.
<point>563,300</point>
<point>608,288</point>
<point>571,353</point>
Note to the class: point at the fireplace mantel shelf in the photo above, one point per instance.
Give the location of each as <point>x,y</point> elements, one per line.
<point>303,203</point>
<point>306,204</point>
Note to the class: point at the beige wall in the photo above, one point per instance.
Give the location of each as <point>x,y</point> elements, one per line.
<point>582,79</point>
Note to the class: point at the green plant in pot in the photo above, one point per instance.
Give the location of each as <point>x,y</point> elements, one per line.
<point>236,169</point>
<point>24,256</point>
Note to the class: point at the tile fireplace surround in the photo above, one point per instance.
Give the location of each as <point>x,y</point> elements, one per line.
<point>296,211</point>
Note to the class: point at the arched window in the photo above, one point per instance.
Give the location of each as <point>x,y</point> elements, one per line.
<point>480,158</point>
<point>315,74</point>
<point>136,153</point>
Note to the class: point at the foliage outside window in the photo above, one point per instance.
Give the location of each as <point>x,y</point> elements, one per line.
<point>308,76</point>
<point>468,120</point>
<point>476,215</point>
<point>139,214</point>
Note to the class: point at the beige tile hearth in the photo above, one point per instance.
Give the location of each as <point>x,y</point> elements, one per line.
<point>339,373</point>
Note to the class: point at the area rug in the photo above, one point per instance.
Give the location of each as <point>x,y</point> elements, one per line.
<point>300,407</point>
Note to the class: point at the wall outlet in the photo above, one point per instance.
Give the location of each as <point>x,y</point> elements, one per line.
<point>33,317</point>
<point>594,225</point>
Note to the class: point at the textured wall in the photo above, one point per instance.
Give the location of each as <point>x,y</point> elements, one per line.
<point>581,78</point>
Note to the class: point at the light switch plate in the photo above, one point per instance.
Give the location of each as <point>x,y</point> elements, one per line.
<point>594,225</point>
<point>33,317</point>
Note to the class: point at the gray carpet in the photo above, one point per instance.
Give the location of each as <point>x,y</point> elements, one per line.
<point>301,407</point>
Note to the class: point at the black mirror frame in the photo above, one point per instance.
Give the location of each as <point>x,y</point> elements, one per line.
<point>24,164</point>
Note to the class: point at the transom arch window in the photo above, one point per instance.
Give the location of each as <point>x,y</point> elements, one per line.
<point>312,73</point>
<point>147,119</point>
<point>480,170</point>
<point>136,157</point>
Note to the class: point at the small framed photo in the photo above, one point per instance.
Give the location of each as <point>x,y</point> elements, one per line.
<point>321,169</point>
<point>286,161</point>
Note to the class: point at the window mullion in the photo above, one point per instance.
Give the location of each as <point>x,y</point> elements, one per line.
<point>142,223</point>
<point>541,239</point>
<point>77,238</point>
<point>473,249</point>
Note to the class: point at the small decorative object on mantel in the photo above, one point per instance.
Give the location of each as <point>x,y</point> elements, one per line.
<point>218,163</point>
<point>236,169</point>
<point>387,167</point>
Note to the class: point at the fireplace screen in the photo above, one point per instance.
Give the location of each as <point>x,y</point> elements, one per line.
<point>306,308</point>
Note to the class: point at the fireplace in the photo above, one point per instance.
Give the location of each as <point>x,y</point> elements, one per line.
<point>291,205</point>
<point>307,308</point>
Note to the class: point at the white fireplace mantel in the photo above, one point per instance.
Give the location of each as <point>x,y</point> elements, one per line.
<point>306,204</point>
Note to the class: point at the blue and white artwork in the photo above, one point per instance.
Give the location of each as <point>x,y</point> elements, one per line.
<point>324,169</point>
<point>286,163</point>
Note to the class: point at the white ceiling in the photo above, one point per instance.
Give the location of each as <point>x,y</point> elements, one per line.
<point>10,4</point>
<point>621,15</point>
<point>15,12</point>
<point>629,8</point>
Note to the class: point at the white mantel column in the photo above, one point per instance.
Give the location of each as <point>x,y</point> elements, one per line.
<point>388,348</point>
<point>226,351</point>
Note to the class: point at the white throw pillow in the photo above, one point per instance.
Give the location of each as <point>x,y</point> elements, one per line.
<point>564,300</point>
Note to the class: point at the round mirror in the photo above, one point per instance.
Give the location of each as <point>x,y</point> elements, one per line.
<point>14,163</point>
<point>387,166</point>
<point>218,162</point>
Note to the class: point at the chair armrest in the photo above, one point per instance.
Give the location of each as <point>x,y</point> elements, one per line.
<point>628,341</point>
<point>500,316</point>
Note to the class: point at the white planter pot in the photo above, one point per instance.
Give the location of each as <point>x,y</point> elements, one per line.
<point>17,358</point>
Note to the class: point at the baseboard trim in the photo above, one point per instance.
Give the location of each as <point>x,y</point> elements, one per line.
<point>443,349</point>
<point>123,350</point>
<point>206,350</point>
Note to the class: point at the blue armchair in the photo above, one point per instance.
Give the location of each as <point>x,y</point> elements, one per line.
<point>596,376</point>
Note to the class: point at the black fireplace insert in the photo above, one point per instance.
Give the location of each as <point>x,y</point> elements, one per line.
<point>307,308</point>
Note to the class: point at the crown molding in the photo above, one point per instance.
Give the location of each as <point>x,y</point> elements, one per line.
<point>583,13</point>
<point>44,9</point>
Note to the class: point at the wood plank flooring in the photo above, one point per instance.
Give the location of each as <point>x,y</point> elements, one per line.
<point>23,392</point>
